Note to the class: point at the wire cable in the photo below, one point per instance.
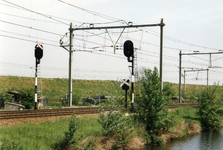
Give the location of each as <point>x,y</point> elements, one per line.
<point>34,12</point>
<point>92,12</point>
<point>30,28</point>
<point>27,40</point>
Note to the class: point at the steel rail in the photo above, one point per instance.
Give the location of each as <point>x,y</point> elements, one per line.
<point>16,114</point>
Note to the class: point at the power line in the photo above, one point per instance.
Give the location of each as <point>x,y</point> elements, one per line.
<point>27,18</point>
<point>30,28</point>
<point>27,40</point>
<point>117,20</point>
<point>29,36</point>
<point>92,12</point>
<point>34,12</point>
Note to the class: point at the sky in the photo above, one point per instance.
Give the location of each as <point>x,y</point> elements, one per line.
<point>189,26</point>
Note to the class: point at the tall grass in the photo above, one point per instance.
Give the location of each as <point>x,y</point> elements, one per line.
<point>51,135</point>
<point>186,113</point>
<point>33,136</point>
<point>46,135</point>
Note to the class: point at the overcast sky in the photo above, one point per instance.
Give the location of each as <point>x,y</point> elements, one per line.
<point>189,26</point>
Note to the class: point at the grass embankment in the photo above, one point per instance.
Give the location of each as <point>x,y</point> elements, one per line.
<point>56,88</point>
<point>50,135</point>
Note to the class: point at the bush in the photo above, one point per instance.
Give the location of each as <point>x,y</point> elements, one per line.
<point>4,97</point>
<point>114,123</point>
<point>169,90</point>
<point>209,108</point>
<point>27,97</point>
<point>70,137</point>
<point>153,107</point>
<point>76,97</point>
<point>118,101</point>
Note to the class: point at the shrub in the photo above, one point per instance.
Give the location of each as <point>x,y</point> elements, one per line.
<point>152,107</point>
<point>70,137</point>
<point>4,97</point>
<point>209,107</point>
<point>169,90</point>
<point>27,97</point>
<point>114,123</point>
<point>76,97</point>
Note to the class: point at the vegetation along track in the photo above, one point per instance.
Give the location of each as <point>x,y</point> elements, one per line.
<point>15,114</point>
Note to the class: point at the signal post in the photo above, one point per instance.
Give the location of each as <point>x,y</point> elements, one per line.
<point>38,54</point>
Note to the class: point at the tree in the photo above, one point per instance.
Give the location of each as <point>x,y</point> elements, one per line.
<point>152,107</point>
<point>209,106</point>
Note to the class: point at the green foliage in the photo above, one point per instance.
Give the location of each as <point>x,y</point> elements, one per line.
<point>76,97</point>
<point>152,107</point>
<point>33,136</point>
<point>118,101</point>
<point>70,137</point>
<point>64,102</point>
<point>169,90</point>
<point>114,123</point>
<point>111,121</point>
<point>27,97</point>
<point>186,114</point>
<point>54,105</point>
<point>4,97</point>
<point>55,88</point>
<point>209,107</point>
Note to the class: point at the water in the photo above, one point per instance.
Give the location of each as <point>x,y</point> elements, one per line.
<point>208,140</point>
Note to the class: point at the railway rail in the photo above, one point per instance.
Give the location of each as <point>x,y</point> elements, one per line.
<point>15,114</point>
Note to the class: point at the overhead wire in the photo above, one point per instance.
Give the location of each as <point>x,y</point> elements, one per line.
<point>117,20</point>
<point>30,27</point>
<point>26,40</point>
<point>29,36</point>
<point>92,12</point>
<point>28,18</point>
<point>49,17</point>
<point>175,40</point>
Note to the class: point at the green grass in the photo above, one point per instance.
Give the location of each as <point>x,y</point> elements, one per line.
<point>54,105</point>
<point>45,135</point>
<point>50,135</point>
<point>56,88</point>
<point>187,114</point>
<point>32,136</point>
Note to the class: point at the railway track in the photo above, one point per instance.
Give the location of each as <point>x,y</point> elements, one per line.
<point>15,114</point>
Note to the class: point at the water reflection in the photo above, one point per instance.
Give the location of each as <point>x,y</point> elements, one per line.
<point>208,140</point>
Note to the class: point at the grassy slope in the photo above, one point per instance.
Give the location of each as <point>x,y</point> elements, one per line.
<point>55,88</point>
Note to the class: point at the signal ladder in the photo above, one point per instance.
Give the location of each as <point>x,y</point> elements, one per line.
<point>136,73</point>
<point>39,87</point>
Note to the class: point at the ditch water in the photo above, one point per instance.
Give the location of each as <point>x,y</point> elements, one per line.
<point>207,140</point>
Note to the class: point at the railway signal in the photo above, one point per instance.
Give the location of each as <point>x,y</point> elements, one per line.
<point>38,53</point>
<point>128,48</point>
<point>125,86</point>
<point>129,52</point>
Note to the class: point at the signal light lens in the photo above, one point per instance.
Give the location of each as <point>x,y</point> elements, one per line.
<point>128,48</point>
